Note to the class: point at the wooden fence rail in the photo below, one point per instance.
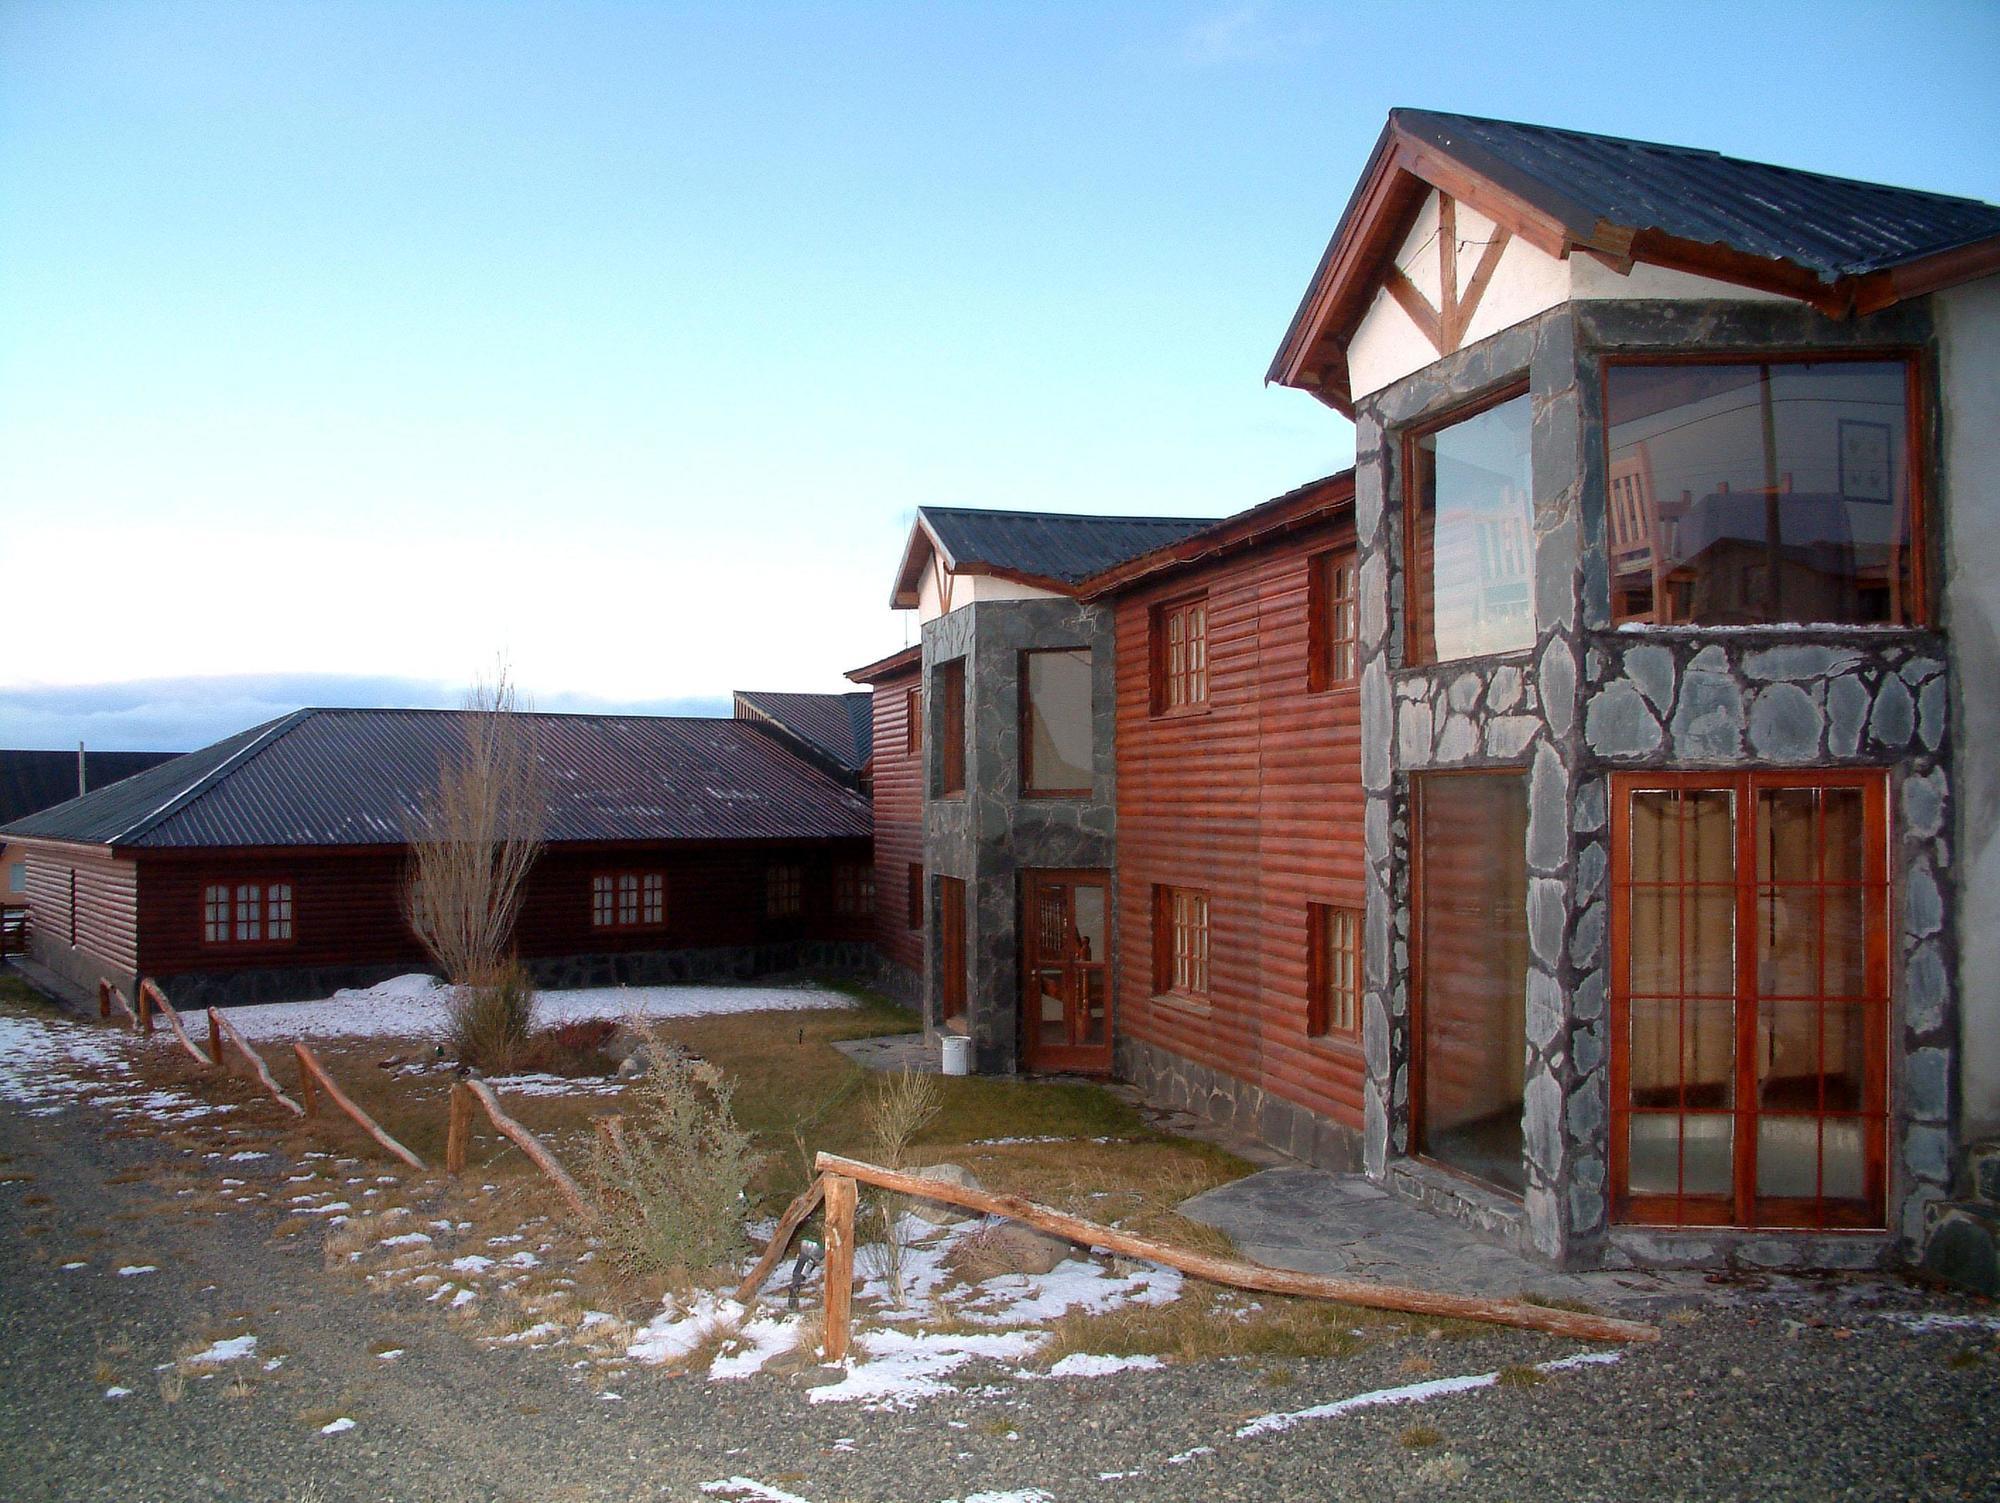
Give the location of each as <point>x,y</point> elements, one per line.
<point>151,1000</point>
<point>106,995</point>
<point>222,1034</point>
<point>468,1093</point>
<point>788,1226</point>
<point>312,1072</point>
<point>842,1174</point>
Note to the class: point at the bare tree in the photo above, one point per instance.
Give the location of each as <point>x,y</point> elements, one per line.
<point>473,839</point>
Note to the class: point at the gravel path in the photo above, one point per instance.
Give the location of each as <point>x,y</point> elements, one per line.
<point>1816,1392</point>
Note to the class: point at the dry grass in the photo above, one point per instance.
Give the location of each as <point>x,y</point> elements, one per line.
<point>1417,1437</point>
<point>1519,1375</point>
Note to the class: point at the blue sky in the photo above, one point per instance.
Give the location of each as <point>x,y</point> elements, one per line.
<point>343,346</point>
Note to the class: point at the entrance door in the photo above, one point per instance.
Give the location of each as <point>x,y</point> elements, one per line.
<point>1066,929</point>
<point>1750,946</point>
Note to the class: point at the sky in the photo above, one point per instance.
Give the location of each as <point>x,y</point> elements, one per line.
<point>345,346</point>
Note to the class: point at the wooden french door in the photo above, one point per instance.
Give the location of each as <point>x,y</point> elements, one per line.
<point>1065,969</point>
<point>1750,998</point>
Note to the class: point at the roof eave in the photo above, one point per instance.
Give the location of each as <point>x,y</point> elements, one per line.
<point>908,592</point>
<point>1296,508</point>
<point>894,665</point>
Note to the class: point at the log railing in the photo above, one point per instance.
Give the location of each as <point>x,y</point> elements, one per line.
<point>222,1035</point>
<point>152,1000</point>
<point>108,994</point>
<point>840,1176</point>
<point>313,1074</point>
<point>468,1094</point>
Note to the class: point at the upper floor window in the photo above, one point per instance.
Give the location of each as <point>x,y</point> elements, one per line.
<point>1749,492</point>
<point>628,900</point>
<point>1056,722</point>
<point>913,721</point>
<point>784,891</point>
<point>1471,535</point>
<point>246,913</point>
<point>914,914</point>
<point>1180,655</point>
<point>1332,617</point>
<point>948,681</point>
<point>853,888</point>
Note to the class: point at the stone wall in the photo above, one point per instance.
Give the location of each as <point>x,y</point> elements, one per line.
<point>1585,700</point>
<point>1172,1080</point>
<point>987,837</point>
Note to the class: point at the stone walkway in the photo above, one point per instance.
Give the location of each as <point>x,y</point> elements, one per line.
<point>1342,1224</point>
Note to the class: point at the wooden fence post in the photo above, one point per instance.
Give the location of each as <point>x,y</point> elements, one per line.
<point>145,1017</point>
<point>103,998</point>
<point>839,1265</point>
<point>308,1093</point>
<point>458,1130</point>
<point>215,1039</point>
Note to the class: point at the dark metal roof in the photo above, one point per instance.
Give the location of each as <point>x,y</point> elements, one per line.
<point>355,777</point>
<point>1049,545</point>
<point>1834,227</point>
<point>841,726</point>
<point>31,781</point>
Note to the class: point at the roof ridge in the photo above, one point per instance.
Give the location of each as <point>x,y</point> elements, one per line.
<point>273,731</point>
<point>1055,516</point>
<point>1695,151</point>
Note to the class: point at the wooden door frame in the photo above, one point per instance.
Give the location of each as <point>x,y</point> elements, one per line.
<point>1099,1057</point>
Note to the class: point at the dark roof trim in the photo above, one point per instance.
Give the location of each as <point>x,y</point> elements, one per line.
<point>1299,507</point>
<point>1420,150</point>
<point>1039,563</point>
<point>909,660</point>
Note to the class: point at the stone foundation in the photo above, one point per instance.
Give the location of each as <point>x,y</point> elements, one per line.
<point>1238,1105</point>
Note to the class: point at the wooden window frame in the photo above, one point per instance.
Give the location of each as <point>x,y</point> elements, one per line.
<point>232,889</point>
<point>1181,966</point>
<point>1029,789</point>
<point>948,679</point>
<point>1333,972</point>
<point>853,889</point>
<point>1916,448</point>
<point>1183,690</point>
<point>647,887</point>
<point>914,915</point>
<point>1333,619</point>
<point>953,990</point>
<point>1738,1209</point>
<point>785,890</point>
<point>1417,567</point>
<point>913,721</point>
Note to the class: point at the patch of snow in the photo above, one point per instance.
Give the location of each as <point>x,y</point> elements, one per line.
<point>749,1490</point>
<point>463,1298</point>
<point>679,1328</point>
<point>415,1007</point>
<point>78,1264</point>
<point>389,1356</point>
<point>1186,1456</point>
<point>1087,1365</point>
<point>133,1270</point>
<point>522,1260</point>
<point>245,1156</point>
<point>117,1391</point>
<point>1923,1325</point>
<point>536,1084</point>
<point>1012,1495</point>
<point>406,1239</point>
<point>336,1426</point>
<point>231,1349</point>
<point>471,1263</point>
<point>273,1364</point>
<point>903,1367</point>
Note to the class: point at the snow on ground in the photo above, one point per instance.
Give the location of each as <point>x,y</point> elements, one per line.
<point>231,1349</point>
<point>414,1007</point>
<point>48,1065</point>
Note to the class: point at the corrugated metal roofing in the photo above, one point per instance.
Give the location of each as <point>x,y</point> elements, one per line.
<point>1051,545</point>
<point>840,725</point>
<point>34,780</point>
<point>355,777</point>
<point>1834,227</point>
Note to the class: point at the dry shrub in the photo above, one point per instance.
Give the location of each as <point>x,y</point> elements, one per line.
<point>901,1108</point>
<point>573,1048</point>
<point>493,1018</point>
<point>673,1182</point>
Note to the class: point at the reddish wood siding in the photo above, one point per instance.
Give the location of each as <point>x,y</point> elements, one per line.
<point>899,819</point>
<point>348,904</point>
<point>1255,801</point>
<point>106,900</point>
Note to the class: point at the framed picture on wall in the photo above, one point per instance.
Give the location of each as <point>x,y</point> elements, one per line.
<point>1864,460</point>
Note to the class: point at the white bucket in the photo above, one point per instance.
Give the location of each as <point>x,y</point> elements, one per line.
<point>957,1054</point>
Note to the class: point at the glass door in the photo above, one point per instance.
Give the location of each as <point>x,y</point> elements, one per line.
<point>1066,932</point>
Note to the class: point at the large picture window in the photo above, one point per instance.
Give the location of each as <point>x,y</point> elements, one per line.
<point>1056,727</point>
<point>246,913</point>
<point>1750,998</point>
<point>1755,492</point>
<point>1471,536</point>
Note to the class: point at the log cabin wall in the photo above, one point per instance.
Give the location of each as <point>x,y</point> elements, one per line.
<point>83,900</point>
<point>349,927</point>
<point>899,829</point>
<point>1256,801</point>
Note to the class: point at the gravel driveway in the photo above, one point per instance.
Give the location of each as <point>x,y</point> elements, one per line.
<point>1840,1390</point>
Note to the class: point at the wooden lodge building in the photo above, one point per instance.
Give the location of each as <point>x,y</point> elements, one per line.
<point>1569,816</point>
<point>1580,816</point>
<point>272,865</point>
